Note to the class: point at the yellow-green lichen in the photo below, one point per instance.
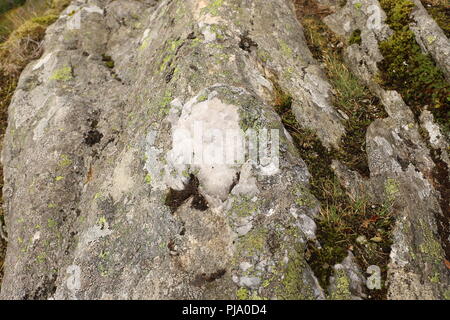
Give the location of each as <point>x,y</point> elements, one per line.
<point>263,55</point>
<point>431,247</point>
<point>447,295</point>
<point>391,189</point>
<point>62,74</point>
<point>242,294</point>
<point>202,98</point>
<point>252,243</point>
<point>285,49</point>
<point>65,161</point>
<point>213,7</point>
<point>342,286</point>
<point>292,286</point>
<point>243,206</point>
<point>164,103</point>
<point>303,197</point>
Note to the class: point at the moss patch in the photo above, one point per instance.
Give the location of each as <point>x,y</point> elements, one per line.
<point>409,71</point>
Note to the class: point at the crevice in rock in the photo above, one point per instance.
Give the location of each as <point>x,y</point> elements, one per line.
<point>92,137</point>
<point>175,198</point>
<point>204,278</point>
<point>246,43</point>
<point>235,181</point>
<point>421,84</point>
<point>343,220</point>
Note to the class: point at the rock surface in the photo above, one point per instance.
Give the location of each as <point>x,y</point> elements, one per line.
<point>99,207</point>
<point>91,181</point>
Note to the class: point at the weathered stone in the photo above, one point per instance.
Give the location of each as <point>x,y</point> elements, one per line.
<point>402,169</point>
<point>348,281</point>
<point>90,177</point>
<point>430,37</point>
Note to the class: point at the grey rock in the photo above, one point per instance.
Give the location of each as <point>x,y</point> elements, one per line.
<point>348,281</point>
<point>431,38</point>
<point>89,168</point>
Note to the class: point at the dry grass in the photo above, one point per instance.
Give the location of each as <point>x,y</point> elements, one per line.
<point>13,19</point>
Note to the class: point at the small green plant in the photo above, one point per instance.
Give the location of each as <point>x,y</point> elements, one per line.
<point>355,37</point>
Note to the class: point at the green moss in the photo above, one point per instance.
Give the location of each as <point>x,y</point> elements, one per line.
<point>341,218</point>
<point>408,70</point>
<point>441,14</point>
<point>355,37</point>
<point>45,20</point>
<point>148,179</point>
<point>62,74</point>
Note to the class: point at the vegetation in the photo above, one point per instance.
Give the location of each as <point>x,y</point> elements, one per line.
<point>345,223</point>
<point>9,4</point>
<point>408,70</point>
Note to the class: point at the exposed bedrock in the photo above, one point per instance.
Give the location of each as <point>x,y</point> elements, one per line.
<point>98,204</point>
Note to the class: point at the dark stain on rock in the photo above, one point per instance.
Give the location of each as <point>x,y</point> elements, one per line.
<point>235,181</point>
<point>246,43</point>
<point>175,198</point>
<point>203,278</point>
<point>92,137</point>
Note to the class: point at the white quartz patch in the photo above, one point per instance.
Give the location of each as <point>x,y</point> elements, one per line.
<point>203,127</point>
